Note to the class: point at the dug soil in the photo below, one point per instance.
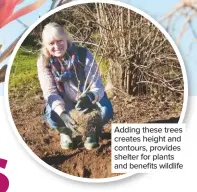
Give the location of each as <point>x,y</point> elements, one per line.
<point>96,163</point>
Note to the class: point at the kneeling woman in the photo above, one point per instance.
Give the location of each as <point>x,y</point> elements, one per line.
<point>63,69</point>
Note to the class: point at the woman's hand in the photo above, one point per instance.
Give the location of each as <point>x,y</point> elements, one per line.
<point>69,122</point>
<point>85,102</point>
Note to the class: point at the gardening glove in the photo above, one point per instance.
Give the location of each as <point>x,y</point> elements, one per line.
<point>85,102</point>
<point>69,122</point>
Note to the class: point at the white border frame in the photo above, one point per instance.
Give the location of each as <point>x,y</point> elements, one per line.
<point>77,2</point>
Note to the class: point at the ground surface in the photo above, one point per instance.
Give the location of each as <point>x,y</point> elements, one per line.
<point>44,142</point>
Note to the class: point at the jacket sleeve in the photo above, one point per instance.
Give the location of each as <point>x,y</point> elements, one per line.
<point>94,77</point>
<point>49,89</point>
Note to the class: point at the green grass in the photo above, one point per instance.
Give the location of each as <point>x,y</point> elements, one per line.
<point>103,67</point>
<point>23,76</point>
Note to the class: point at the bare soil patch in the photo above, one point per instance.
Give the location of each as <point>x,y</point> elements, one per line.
<point>44,142</point>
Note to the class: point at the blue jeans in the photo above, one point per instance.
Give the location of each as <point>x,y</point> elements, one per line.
<point>55,121</point>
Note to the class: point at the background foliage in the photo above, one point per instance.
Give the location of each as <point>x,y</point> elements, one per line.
<point>134,55</point>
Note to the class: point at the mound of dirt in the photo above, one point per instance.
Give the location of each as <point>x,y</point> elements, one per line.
<point>86,122</point>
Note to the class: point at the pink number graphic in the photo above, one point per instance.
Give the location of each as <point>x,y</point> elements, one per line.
<point>4,182</point>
